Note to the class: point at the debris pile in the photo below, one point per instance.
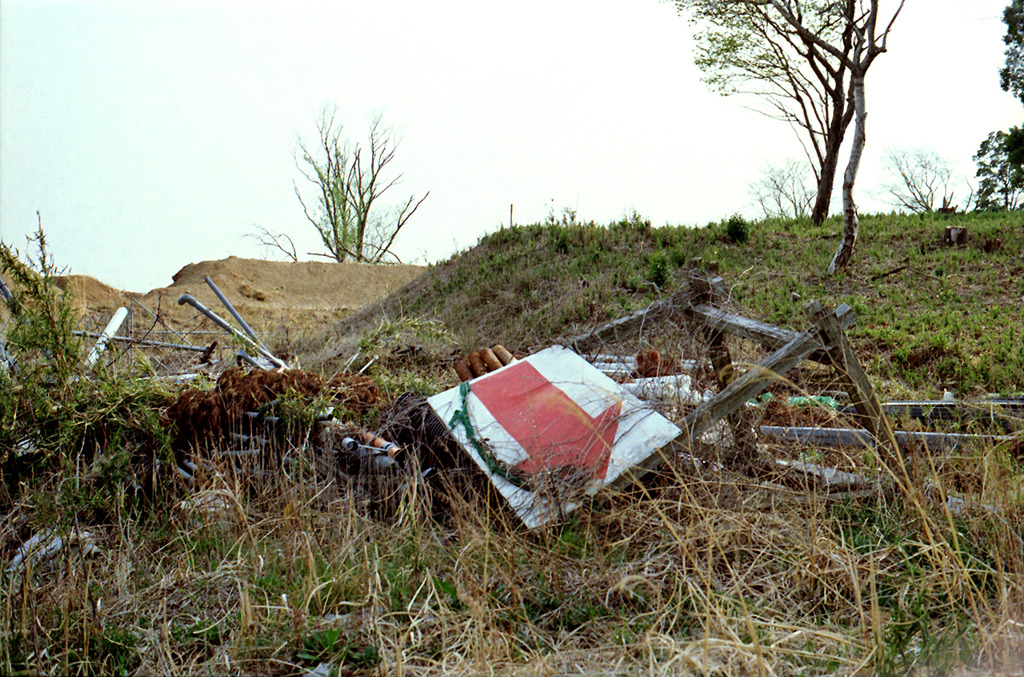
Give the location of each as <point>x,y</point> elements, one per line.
<point>550,428</point>
<point>203,417</point>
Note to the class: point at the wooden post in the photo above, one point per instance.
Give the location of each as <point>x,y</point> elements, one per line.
<point>744,445</point>
<point>848,368</point>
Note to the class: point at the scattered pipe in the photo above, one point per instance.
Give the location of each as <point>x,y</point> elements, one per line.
<point>220,322</point>
<point>674,388</point>
<point>491,360</point>
<point>115,323</point>
<point>378,456</point>
<point>6,293</point>
<point>145,342</point>
<point>234,313</point>
<point>503,355</point>
<point>476,363</point>
<point>367,365</point>
<point>861,438</point>
<point>243,356</point>
<point>378,442</point>
<point>482,362</point>
<point>463,371</point>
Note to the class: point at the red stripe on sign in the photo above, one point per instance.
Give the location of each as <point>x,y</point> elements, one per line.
<point>553,429</point>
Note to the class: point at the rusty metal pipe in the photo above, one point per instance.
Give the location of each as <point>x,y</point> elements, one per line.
<point>503,355</point>
<point>491,360</point>
<point>476,363</point>
<point>463,370</point>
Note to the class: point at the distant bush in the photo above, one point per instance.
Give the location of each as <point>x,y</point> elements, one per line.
<point>634,221</point>
<point>737,229</point>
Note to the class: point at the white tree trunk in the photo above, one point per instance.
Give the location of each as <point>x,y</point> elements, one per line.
<point>850,221</point>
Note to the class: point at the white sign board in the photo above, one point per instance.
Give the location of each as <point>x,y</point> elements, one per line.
<point>551,422</point>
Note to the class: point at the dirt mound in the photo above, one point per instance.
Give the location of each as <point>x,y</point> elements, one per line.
<point>89,292</point>
<point>264,292</point>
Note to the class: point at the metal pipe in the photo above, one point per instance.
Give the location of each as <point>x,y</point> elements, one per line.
<point>377,457</point>
<point>5,292</point>
<point>254,361</point>
<point>862,438</point>
<point>503,355</point>
<point>144,342</point>
<point>223,324</point>
<point>115,323</point>
<point>231,309</point>
<point>491,360</point>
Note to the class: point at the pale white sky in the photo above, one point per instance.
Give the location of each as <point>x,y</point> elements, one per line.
<point>154,134</point>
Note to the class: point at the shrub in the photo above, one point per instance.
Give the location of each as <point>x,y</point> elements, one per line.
<point>658,269</point>
<point>737,229</point>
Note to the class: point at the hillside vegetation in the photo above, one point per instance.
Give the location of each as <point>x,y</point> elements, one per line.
<point>931,317</point>
<point>145,564</point>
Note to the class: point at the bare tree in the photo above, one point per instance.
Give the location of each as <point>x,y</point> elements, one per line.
<point>921,179</point>
<point>350,181</point>
<point>270,241</point>
<point>808,61</point>
<point>782,190</point>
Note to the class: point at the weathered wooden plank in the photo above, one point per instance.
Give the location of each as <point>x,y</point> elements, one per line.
<point>744,445</point>
<point>629,326</point>
<point>749,385</point>
<point>768,335</point>
<point>736,325</point>
<point>862,394</point>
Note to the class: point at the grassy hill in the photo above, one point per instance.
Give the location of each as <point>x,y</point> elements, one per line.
<point>283,566</point>
<point>932,317</point>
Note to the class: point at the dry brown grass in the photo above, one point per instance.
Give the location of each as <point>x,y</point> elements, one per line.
<point>691,572</point>
<point>701,568</point>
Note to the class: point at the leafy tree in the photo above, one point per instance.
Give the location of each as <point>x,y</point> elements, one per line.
<point>782,190</point>
<point>350,181</point>
<point>1011,77</point>
<point>1000,181</point>
<point>807,61</point>
<point>921,179</point>
<point>1000,158</point>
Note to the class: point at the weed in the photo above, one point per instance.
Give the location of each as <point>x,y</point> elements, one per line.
<point>658,272</point>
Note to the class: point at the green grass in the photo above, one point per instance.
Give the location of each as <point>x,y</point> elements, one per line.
<point>931,318</point>
<point>709,572</point>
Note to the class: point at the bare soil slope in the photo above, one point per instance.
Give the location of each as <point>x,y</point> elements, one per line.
<point>264,292</point>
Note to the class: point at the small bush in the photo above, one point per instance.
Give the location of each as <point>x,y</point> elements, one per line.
<point>737,229</point>
<point>658,270</point>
